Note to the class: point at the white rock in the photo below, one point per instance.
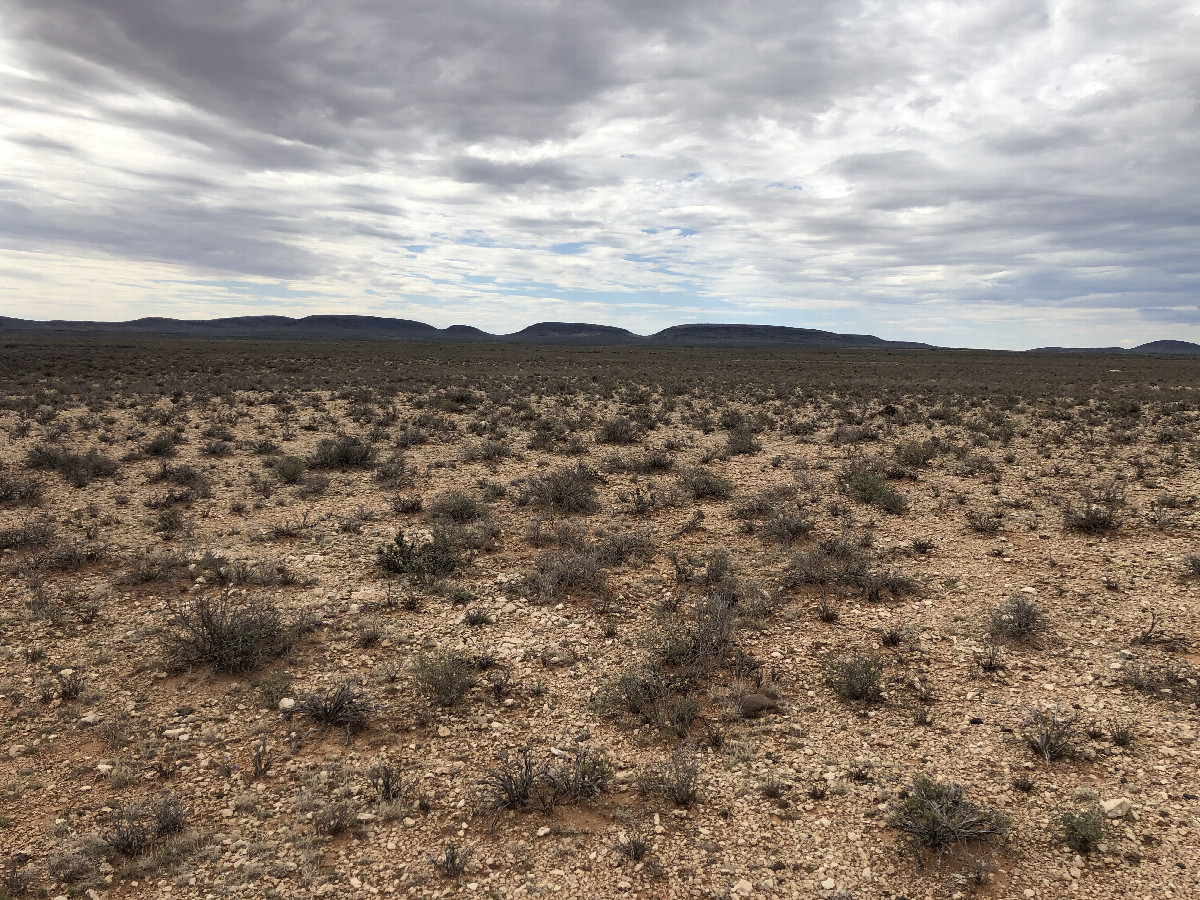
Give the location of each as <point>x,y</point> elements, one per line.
<point>743,887</point>
<point>287,704</point>
<point>543,831</point>
<point>1116,808</point>
<point>829,884</point>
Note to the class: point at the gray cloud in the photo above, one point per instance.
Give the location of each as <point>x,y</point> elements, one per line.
<point>999,161</point>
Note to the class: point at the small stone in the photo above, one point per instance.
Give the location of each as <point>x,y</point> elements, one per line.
<point>355,883</point>
<point>828,884</point>
<point>408,822</point>
<point>366,817</point>
<point>743,887</point>
<point>91,718</point>
<point>287,704</point>
<point>1116,808</point>
<point>543,831</point>
<point>16,750</point>
<point>443,731</point>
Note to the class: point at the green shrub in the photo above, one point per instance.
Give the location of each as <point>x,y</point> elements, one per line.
<point>289,469</point>
<point>426,561</point>
<point>1083,831</point>
<point>856,678</point>
<point>344,451</point>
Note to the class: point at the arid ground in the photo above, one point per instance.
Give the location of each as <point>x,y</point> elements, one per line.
<point>339,620</point>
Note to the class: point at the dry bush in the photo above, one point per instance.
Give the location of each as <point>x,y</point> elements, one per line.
<point>230,634</point>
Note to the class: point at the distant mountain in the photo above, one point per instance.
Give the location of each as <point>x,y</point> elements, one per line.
<point>574,333</point>
<point>1174,348</point>
<point>770,335</point>
<point>380,328</point>
<point>370,328</point>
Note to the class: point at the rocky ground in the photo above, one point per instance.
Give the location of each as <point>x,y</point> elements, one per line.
<point>657,636</point>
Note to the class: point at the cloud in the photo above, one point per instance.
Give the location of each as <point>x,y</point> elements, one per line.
<point>966,173</point>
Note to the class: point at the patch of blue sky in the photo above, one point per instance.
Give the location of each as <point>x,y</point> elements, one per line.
<point>570,248</point>
<point>679,231</point>
<point>476,238</point>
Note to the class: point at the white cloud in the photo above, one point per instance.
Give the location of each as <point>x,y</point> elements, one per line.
<point>983,174</point>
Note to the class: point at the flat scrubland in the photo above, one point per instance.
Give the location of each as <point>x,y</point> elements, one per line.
<point>389,619</point>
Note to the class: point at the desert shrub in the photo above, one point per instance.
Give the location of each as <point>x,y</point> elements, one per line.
<point>289,469</point>
<point>78,469</point>
<point>1050,735</point>
<point>444,678</point>
<point>619,430</point>
<point>985,521</point>
<point>557,572</point>
<point>457,506</point>
<point>704,484</point>
<point>915,454</point>
<point>1083,831</point>
<point>865,484</point>
<point>425,561</point>
<point>648,463</point>
<point>29,534</point>
<point>856,678</point>
<point>162,444</point>
<point>387,782</point>
<point>786,527</point>
<point>571,489</point>
<point>938,816</point>
<point>16,490</point>
<point>619,547</point>
<point>344,451</point>
<point>1096,511</point>
<point>341,707</point>
<point>131,833</point>
<point>230,634</point>
<point>741,442</point>
<point>333,818</point>
<point>169,814</point>
<point>1017,618</point>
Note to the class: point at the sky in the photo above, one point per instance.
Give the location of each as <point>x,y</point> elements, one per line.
<point>1004,174</point>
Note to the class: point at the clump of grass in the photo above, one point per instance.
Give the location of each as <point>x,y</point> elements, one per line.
<point>231,635</point>
<point>677,780</point>
<point>341,707</point>
<point>856,678</point>
<point>453,861</point>
<point>1050,735</point>
<point>939,816</point>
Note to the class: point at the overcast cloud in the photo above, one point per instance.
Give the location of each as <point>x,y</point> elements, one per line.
<point>1002,173</point>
